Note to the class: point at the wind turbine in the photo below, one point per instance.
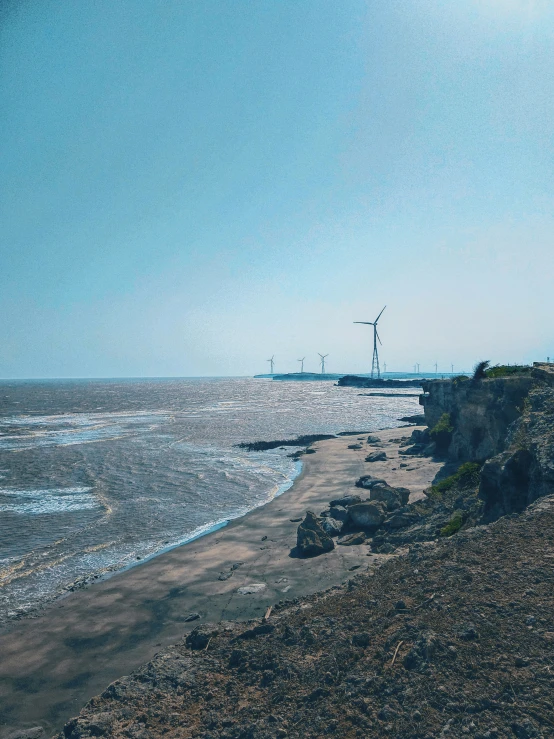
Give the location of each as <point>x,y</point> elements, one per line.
<point>301,363</point>
<point>271,363</point>
<point>375,359</point>
<point>323,362</point>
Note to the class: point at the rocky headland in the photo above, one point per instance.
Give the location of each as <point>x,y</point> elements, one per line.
<point>445,630</point>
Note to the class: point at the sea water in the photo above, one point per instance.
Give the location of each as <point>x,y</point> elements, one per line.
<point>97,475</point>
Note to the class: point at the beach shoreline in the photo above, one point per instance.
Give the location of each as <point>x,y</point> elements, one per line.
<point>54,662</point>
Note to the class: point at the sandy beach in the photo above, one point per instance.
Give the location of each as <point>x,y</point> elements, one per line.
<point>53,663</point>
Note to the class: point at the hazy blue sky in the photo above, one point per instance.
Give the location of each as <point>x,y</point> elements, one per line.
<point>189,187</point>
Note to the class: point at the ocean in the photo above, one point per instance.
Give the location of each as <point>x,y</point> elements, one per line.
<point>98,475</point>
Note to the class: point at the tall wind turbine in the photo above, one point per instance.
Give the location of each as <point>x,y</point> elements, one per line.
<point>301,364</point>
<point>323,362</point>
<point>271,363</point>
<point>375,360</point>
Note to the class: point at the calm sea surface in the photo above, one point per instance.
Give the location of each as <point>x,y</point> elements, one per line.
<point>96,473</point>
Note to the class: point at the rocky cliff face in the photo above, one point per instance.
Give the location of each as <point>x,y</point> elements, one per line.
<point>524,471</point>
<point>480,412</point>
<point>508,424</point>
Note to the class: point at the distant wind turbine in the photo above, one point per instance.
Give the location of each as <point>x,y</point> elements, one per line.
<point>375,360</point>
<point>271,363</point>
<point>323,362</point>
<point>301,364</point>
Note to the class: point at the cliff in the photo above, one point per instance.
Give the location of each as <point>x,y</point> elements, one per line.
<point>506,423</point>
<point>479,412</point>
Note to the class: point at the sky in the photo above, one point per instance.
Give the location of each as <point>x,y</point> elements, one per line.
<point>188,188</point>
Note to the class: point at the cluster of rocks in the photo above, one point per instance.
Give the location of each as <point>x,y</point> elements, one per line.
<point>352,518</point>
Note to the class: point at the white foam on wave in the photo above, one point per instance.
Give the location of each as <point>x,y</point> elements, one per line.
<point>49,500</point>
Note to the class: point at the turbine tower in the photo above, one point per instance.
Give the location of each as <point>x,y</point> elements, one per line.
<point>375,361</point>
<point>301,364</point>
<point>271,363</point>
<point>323,362</point>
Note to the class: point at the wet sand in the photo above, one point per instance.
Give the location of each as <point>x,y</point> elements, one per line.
<point>52,664</point>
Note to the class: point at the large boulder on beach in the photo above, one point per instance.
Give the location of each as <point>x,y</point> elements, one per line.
<point>311,539</point>
<point>376,457</point>
<point>387,495</point>
<point>369,481</point>
<point>331,526</point>
<point>367,515</point>
<point>339,512</point>
<point>346,500</point>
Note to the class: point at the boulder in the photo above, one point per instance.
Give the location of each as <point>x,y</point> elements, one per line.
<point>367,515</point>
<point>373,440</point>
<point>376,457</point>
<point>400,519</point>
<point>367,482</point>
<point>199,637</point>
<point>339,512</point>
<point>331,526</point>
<point>311,539</point>
<point>355,446</point>
<point>351,540</point>
<point>346,501</point>
<point>387,495</point>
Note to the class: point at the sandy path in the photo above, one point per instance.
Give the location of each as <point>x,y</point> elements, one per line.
<point>53,664</point>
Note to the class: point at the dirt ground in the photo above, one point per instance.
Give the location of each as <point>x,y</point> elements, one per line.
<point>453,639</point>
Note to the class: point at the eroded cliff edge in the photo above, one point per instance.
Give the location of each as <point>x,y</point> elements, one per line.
<point>504,423</point>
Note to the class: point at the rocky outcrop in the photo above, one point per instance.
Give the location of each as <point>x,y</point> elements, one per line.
<point>311,539</point>
<point>479,412</point>
<point>513,479</point>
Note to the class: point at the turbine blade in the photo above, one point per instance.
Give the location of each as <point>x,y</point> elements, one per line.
<point>376,333</point>
<point>366,323</point>
<point>380,314</point>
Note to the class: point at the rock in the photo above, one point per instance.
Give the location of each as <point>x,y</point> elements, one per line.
<point>400,605</point>
<point>400,520</point>
<point>366,515</point>
<point>225,575</point>
<point>255,587</point>
<point>351,540</point>
<point>100,723</point>
<point>521,662</point>
<point>311,539</point>
<point>362,639</point>
<point>376,457</point>
<point>368,481</point>
<point>199,637</point>
<point>239,564</point>
<point>373,440</point>
<point>346,501</point>
<point>191,617</point>
<point>355,446</point>
<point>387,495</point>
<point>331,526</point>
<point>340,513</point>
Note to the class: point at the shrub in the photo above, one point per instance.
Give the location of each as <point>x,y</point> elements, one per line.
<point>459,378</point>
<point>454,525</point>
<point>467,475</point>
<point>479,371</point>
<point>507,370</point>
<point>441,433</point>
